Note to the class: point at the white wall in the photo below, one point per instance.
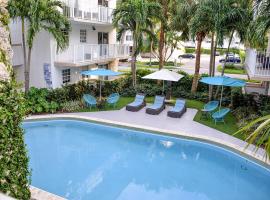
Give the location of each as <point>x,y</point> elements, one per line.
<point>40,55</point>
<point>92,35</point>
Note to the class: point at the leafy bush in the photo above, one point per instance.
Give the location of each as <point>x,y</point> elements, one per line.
<point>220,50</point>
<point>71,106</point>
<point>14,172</point>
<point>168,63</point>
<point>36,101</point>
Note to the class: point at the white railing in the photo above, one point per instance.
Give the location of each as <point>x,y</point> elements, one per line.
<point>92,53</point>
<point>99,14</point>
<point>258,63</point>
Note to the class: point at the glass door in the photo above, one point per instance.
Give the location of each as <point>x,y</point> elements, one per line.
<point>103,40</point>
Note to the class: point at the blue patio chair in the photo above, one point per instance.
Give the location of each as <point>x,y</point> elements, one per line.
<point>137,104</point>
<point>89,100</point>
<point>113,99</point>
<point>178,110</point>
<point>209,107</point>
<point>220,115</point>
<point>157,107</point>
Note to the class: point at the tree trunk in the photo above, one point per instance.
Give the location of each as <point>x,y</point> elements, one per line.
<point>214,59</point>
<point>224,64</point>
<point>268,45</point>
<point>210,65</point>
<point>151,50</point>
<point>267,84</point>
<point>133,63</point>
<point>26,71</point>
<point>161,46</point>
<point>197,63</point>
<point>227,52</point>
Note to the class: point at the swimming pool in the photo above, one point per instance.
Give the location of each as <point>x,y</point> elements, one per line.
<point>82,160</point>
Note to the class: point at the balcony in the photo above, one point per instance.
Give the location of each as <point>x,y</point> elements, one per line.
<point>258,64</point>
<point>100,15</point>
<point>81,55</point>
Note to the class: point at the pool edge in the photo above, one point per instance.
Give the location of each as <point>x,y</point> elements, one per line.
<point>243,151</point>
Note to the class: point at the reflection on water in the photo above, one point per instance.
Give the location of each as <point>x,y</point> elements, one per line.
<point>79,160</point>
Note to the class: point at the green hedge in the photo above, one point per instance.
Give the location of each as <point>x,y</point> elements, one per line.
<point>220,50</point>
<point>74,92</point>
<point>14,173</point>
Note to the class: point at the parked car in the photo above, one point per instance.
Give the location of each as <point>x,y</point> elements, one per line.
<point>187,55</point>
<point>231,59</point>
<point>217,53</point>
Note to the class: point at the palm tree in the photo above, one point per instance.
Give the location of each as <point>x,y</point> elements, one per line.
<point>20,9</point>
<point>259,133</point>
<point>199,28</point>
<point>136,16</point>
<point>259,129</point>
<point>260,27</point>
<point>164,27</point>
<point>235,21</point>
<point>41,15</point>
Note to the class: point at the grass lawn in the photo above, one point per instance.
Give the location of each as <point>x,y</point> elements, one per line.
<point>231,70</point>
<point>230,127</point>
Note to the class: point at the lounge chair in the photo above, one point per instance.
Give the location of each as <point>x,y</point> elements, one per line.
<point>219,115</point>
<point>137,104</point>
<point>113,99</point>
<point>210,107</point>
<point>89,100</point>
<point>157,107</point>
<point>178,110</point>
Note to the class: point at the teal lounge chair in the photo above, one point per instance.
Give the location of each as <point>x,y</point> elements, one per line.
<point>210,107</point>
<point>137,104</point>
<point>220,115</point>
<point>89,100</point>
<point>113,99</point>
<point>157,107</point>
<point>178,110</point>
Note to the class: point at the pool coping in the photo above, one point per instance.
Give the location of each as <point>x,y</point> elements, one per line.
<point>246,152</point>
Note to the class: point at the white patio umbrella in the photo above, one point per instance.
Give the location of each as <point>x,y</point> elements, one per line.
<point>164,75</point>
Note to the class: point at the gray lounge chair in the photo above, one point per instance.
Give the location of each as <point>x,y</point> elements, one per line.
<point>157,107</point>
<point>178,110</point>
<point>137,104</point>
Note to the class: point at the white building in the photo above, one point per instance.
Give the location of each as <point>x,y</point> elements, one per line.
<point>257,64</point>
<point>92,44</point>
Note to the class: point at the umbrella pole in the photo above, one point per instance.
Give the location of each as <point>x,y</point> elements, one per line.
<point>222,88</point>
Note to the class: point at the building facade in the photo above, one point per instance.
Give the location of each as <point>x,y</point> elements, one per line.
<point>257,64</point>
<point>92,44</point>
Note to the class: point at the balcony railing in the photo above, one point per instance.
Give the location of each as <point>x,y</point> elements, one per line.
<point>88,53</point>
<point>258,63</point>
<point>100,14</point>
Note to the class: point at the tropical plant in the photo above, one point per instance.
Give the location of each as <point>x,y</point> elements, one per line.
<point>260,26</point>
<point>136,16</point>
<point>14,172</point>
<point>199,28</point>
<point>237,18</point>
<point>259,133</point>
<point>40,15</point>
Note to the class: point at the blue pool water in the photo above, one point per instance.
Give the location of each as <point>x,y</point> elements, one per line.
<point>81,160</point>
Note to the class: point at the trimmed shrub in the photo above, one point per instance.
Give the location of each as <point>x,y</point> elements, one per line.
<point>14,172</point>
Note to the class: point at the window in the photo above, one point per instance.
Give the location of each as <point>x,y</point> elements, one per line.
<point>66,75</point>
<point>83,35</point>
<point>128,37</point>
